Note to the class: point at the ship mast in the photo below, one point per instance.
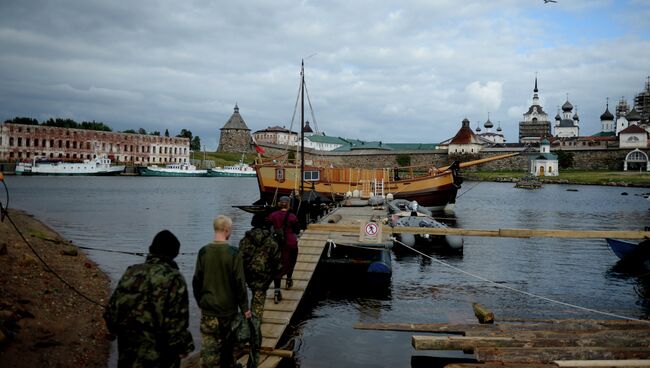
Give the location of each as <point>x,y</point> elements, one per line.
<point>302,129</point>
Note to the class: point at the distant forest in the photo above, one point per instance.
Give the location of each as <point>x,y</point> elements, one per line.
<point>195,141</point>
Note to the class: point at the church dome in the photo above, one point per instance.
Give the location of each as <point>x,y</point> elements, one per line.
<point>633,115</point>
<point>607,115</point>
<point>567,106</point>
<point>575,117</point>
<point>557,117</point>
<point>499,128</point>
<point>478,128</point>
<point>488,124</point>
<point>307,128</point>
<point>466,123</point>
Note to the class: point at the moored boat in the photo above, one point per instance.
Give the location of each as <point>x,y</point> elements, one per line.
<point>182,169</point>
<point>409,214</point>
<point>237,170</point>
<point>97,166</point>
<point>631,254</point>
<point>430,186</point>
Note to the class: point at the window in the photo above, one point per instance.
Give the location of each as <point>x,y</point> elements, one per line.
<point>35,142</point>
<point>279,174</point>
<point>26,142</point>
<point>60,143</point>
<point>11,141</point>
<point>311,175</point>
<point>631,139</point>
<point>20,142</point>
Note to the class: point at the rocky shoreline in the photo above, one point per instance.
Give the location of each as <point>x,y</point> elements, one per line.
<point>43,323</point>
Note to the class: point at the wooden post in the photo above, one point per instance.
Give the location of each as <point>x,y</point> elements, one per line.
<point>483,314</point>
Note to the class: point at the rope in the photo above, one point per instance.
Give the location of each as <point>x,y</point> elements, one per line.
<point>5,213</point>
<point>472,187</point>
<point>520,291</point>
<point>140,254</point>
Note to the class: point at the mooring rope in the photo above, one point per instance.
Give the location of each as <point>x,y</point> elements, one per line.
<point>517,290</point>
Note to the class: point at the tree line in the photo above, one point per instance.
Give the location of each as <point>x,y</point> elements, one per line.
<point>195,141</point>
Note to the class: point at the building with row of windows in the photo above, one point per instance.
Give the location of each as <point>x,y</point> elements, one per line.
<point>20,142</point>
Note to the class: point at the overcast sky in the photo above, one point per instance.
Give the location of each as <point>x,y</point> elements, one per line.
<point>403,71</point>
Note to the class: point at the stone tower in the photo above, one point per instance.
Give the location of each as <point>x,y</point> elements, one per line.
<point>235,135</point>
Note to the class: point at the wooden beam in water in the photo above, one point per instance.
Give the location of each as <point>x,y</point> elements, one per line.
<point>568,339</point>
<point>504,233</point>
<point>548,355</point>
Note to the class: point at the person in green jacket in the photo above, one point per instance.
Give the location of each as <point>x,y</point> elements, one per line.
<point>149,309</point>
<point>262,261</point>
<point>220,291</point>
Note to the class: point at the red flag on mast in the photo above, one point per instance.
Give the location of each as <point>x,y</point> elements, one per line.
<point>259,149</point>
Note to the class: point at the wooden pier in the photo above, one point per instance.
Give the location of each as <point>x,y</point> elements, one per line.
<point>311,246</point>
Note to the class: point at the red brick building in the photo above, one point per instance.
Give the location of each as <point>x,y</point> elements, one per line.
<point>24,142</point>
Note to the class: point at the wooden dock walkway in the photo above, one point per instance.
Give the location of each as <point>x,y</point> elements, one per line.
<point>311,245</point>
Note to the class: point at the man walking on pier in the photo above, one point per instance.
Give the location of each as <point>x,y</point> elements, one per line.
<point>286,223</point>
<point>262,261</point>
<point>149,309</point>
<point>220,291</point>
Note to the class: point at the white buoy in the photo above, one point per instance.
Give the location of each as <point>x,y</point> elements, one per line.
<point>355,193</point>
<point>348,194</point>
<point>389,196</point>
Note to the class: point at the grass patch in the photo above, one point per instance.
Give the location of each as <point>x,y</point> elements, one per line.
<point>633,178</point>
<point>223,158</point>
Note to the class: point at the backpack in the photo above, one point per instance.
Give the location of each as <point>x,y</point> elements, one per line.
<point>259,255</point>
<point>278,234</point>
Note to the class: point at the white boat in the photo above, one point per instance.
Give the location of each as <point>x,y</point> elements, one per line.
<point>239,169</point>
<point>98,166</point>
<point>410,214</point>
<point>172,170</point>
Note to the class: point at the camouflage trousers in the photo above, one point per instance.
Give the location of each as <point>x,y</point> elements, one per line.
<point>217,348</point>
<point>139,349</point>
<point>257,308</point>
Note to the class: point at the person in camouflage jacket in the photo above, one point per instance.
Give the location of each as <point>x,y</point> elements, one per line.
<point>262,261</point>
<point>149,309</point>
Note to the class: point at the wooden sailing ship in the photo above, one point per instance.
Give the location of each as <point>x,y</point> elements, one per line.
<point>429,185</point>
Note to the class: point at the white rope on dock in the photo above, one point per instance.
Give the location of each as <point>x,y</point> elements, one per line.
<point>520,291</point>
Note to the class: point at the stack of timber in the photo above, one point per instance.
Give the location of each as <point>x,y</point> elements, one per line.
<point>549,343</point>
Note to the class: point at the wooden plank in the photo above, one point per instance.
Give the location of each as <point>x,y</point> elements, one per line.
<point>283,306</point>
<point>308,258</point>
<point>275,321</point>
<point>498,365</point>
<point>302,266</point>
<point>541,334</point>
<point>270,362</point>
<point>501,328</point>
<point>603,363</point>
<point>272,331</point>
<point>277,315</point>
<point>469,343</point>
<point>509,233</point>
<point>311,251</point>
<point>290,294</point>
<point>548,355</point>
<point>422,327</point>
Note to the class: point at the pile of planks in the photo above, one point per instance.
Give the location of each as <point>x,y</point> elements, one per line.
<point>539,343</point>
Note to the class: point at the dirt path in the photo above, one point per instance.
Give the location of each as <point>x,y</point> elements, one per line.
<point>43,323</point>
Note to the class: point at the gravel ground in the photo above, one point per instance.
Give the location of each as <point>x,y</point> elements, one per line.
<point>44,323</point>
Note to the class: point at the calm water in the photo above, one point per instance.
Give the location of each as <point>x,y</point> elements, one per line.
<point>124,213</point>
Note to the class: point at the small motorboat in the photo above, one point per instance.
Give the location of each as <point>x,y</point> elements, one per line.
<point>410,214</point>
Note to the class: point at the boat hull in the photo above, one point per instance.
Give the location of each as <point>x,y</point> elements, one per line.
<point>622,249</point>
<point>145,171</point>
<point>67,169</point>
<point>227,174</point>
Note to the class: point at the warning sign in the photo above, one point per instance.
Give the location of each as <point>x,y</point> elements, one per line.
<point>370,233</point>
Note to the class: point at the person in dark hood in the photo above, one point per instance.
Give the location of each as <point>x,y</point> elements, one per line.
<point>149,309</point>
